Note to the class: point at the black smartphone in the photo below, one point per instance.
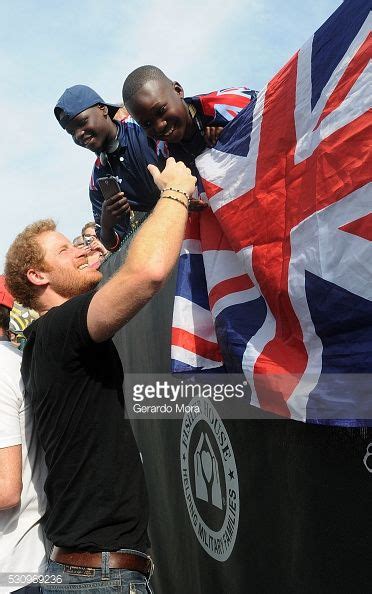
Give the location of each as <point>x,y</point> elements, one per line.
<point>109,186</point>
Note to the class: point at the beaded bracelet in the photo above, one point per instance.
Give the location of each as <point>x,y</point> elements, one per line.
<point>176,199</point>
<point>179,192</point>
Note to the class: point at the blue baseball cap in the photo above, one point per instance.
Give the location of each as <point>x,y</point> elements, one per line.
<point>77,99</point>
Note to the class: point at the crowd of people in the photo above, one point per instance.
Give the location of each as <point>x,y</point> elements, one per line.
<point>63,434</point>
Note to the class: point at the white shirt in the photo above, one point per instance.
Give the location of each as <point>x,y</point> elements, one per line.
<point>22,548</point>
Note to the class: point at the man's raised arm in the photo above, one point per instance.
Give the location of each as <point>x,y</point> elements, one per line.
<point>151,257</point>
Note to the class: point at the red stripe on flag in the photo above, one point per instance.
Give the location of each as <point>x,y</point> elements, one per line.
<point>192,228</point>
<point>228,286</point>
<point>211,234</point>
<point>362,227</point>
<point>210,100</point>
<point>195,344</point>
<point>210,188</point>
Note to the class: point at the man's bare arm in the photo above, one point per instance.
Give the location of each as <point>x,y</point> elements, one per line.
<point>151,257</point>
<point>10,476</point>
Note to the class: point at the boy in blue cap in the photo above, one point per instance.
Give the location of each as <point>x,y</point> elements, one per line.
<point>122,150</point>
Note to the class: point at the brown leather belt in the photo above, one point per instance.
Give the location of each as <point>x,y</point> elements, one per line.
<point>123,560</point>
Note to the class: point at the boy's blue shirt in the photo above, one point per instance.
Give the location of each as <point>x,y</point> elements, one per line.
<point>129,162</point>
<point>129,165</point>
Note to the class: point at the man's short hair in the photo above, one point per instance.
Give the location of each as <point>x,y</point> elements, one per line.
<point>87,226</point>
<point>139,77</point>
<point>25,253</point>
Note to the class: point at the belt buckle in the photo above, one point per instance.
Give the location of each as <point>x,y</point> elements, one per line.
<point>78,570</point>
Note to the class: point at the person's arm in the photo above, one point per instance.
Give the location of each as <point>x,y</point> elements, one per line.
<point>111,216</point>
<point>10,476</point>
<point>10,439</point>
<point>151,257</point>
<point>114,210</point>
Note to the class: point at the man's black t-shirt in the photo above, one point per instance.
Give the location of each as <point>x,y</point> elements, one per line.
<point>95,486</point>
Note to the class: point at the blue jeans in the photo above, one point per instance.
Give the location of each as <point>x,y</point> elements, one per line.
<point>65,579</point>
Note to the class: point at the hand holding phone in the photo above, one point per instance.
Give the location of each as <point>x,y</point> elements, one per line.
<point>115,205</point>
<point>109,186</point>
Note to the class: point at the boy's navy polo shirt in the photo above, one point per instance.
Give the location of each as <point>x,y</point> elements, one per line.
<point>129,165</point>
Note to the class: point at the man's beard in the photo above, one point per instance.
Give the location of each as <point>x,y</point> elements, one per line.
<point>69,283</point>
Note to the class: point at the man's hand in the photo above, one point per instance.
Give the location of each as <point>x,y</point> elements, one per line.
<point>175,175</point>
<point>212,134</point>
<point>113,210</point>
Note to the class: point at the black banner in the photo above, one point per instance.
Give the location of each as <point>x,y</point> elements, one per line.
<point>247,506</point>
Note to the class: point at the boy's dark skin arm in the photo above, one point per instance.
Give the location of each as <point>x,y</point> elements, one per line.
<point>113,210</point>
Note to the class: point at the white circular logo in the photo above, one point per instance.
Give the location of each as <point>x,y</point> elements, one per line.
<point>368,458</point>
<point>209,479</point>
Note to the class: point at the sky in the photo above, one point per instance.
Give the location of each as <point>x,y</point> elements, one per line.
<point>46,47</point>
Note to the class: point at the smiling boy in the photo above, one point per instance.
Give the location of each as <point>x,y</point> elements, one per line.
<point>122,150</point>
<point>188,125</point>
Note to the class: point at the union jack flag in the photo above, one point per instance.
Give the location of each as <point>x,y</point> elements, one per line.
<point>275,280</point>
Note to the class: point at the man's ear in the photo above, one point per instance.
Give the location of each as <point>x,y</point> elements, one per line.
<point>104,109</point>
<point>37,277</point>
<point>178,88</point>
